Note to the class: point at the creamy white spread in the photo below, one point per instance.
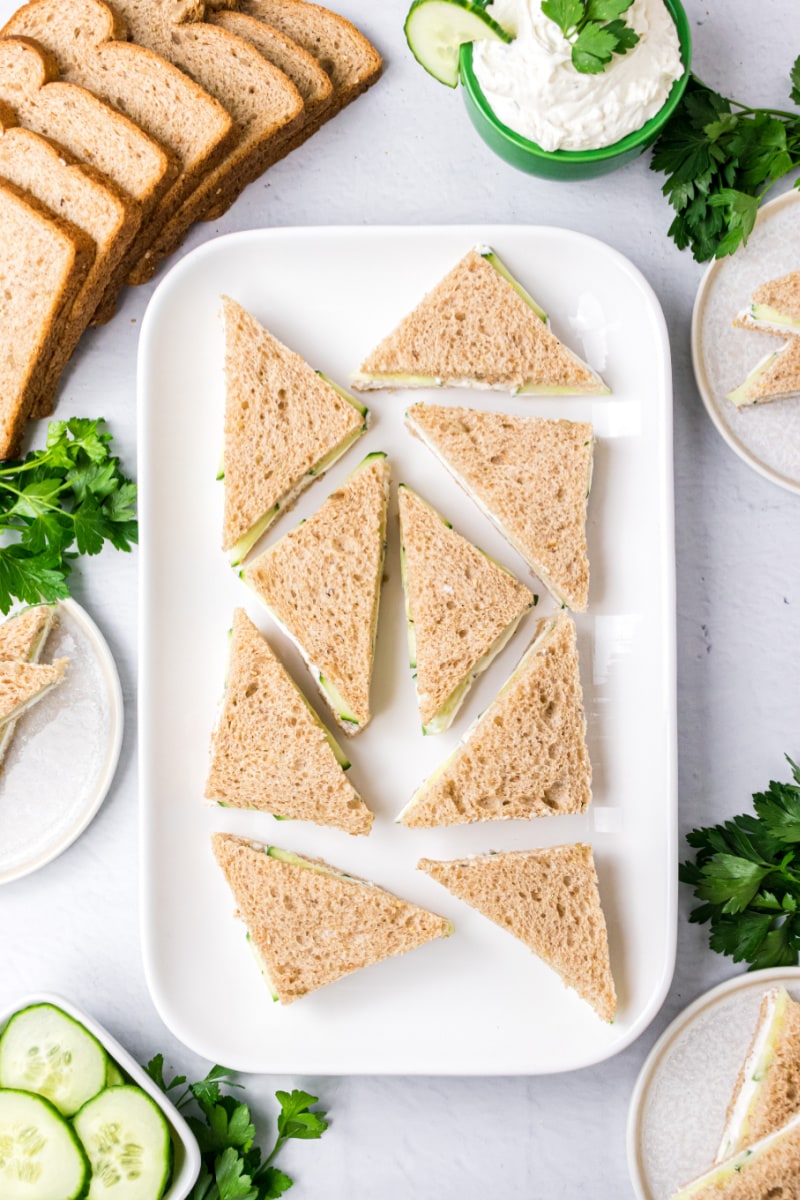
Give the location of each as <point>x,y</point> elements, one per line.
<point>534,89</point>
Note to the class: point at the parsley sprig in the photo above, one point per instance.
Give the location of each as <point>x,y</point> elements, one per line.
<point>233,1168</point>
<point>72,493</point>
<point>721,158</point>
<point>595,28</point>
<point>747,876</point>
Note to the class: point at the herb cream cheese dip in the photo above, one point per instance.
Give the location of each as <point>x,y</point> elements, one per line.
<point>534,89</point>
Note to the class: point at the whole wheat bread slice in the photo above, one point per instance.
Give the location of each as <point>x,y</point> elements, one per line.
<point>531,477</point>
<point>526,755</point>
<point>284,425</point>
<point>86,198</point>
<point>775,377</point>
<point>775,307</point>
<point>263,103</point>
<point>270,751</point>
<point>86,126</point>
<point>766,1170</point>
<point>310,924</point>
<point>305,73</point>
<point>477,328</point>
<point>322,584</point>
<point>87,40</point>
<point>462,607</point>
<point>44,261</point>
<point>352,63</point>
<point>770,1072</point>
<point>24,684</point>
<point>549,899</point>
<point>22,639</point>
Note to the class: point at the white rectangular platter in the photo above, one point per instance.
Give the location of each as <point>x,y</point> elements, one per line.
<point>478,1003</point>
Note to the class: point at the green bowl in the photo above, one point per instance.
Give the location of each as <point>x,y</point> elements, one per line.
<point>571,164</point>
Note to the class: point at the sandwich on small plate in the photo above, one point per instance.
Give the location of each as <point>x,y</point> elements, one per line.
<point>310,924</point>
<point>478,328</point>
<point>775,377</point>
<point>547,898</point>
<point>530,476</point>
<point>767,1092</point>
<point>23,684</point>
<point>22,640</point>
<point>321,583</point>
<point>285,424</point>
<point>461,607</point>
<point>270,751</point>
<point>526,755</point>
<point>768,1169</point>
<point>775,306</point>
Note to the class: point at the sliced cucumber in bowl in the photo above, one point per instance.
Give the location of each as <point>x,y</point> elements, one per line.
<point>45,1051</point>
<point>40,1156</point>
<point>126,1137</point>
<point>437,29</point>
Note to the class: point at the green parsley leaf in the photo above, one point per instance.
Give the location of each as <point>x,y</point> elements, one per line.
<point>626,38</point>
<point>606,10</point>
<point>71,494</point>
<point>746,873</point>
<point>232,1164</point>
<point>593,49</point>
<point>721,158</point>
<point>795,77</point>
<point>567,14</point>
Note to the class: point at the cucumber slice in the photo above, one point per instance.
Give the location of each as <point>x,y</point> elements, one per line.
<point>40,1156</point>
<point>436,30</point>
<point>114,1077</point>
<point>127,1139</point>
<point>43,1050</point>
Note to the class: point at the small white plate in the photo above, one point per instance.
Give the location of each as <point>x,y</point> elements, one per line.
<point>678,1107</point>
<point>765,436</point>
<point>186,1164</point>
<point>62,760</point>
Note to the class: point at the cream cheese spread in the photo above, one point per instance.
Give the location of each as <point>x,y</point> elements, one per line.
<point>533,88</point>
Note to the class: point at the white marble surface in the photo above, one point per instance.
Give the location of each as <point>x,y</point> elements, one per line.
<point>406,153</point>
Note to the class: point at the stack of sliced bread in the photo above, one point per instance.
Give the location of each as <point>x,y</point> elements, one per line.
<point>122,125</point>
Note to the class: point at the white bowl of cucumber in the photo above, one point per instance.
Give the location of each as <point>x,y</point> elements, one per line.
<point>75,1107</point>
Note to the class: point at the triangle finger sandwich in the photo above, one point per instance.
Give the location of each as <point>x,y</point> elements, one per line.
<point>22,640</point>
<point>775,306</point>
<point>530,476</point>
<point>478,328</point>
<point>526,755</point>
<point>285,424</point>
<point>310,924</point>
<point>775,377</point>
<point>322,584</point>
<point>462,608</point>
<point>547,898</point>
<point>270,751</point>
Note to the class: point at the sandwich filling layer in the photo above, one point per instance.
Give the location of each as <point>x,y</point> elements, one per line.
<point>755,1068</point>
<point>764,1159</point>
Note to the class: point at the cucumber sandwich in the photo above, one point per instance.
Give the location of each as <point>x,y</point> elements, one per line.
<point>71,1128</point>
<point>775,377</point>
<point>530,476</point>
<point>478,328</point>
<point>526,755</point>
<point>22,639</point>
<point>547,898</point>
<point>775,306</point>
<point>461,607</point>
<point>310,924</point>
<point>270,751</point>
<point>321,583</point>
<point>285,424</point>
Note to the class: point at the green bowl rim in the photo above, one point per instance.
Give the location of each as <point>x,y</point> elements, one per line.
<point>631,141</point>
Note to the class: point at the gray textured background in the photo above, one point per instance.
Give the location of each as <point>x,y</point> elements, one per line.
<point>406,153</point>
